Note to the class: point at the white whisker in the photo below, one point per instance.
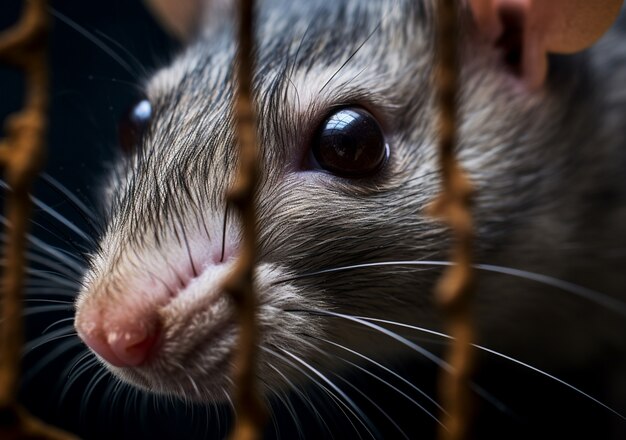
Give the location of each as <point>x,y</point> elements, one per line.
<point>54,214</point>
<point>44,362</point>
<point>509,358</point>
<point>305,399</point>
<point>54,183</point>
<point>65,332</point>
<point>284,400</point>
<point>54,278</point>
<point>351,406</point>
<point>390,371</point>
<point>93,383</point>
<point>71,318</point>
<point>61,255</point>
<point>89,36</point>
<point>29,311</point>
<point>76,375</point>
<point>374,404</point>
<point>45,300</point>
<point>594,296</point>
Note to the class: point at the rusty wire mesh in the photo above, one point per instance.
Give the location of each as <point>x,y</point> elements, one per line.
<point>22,153</point>
<point>250,412</point>
<point>454,289</point>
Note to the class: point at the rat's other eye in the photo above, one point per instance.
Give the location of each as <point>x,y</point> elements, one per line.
<point>132,125</point>
<point>350,143</point>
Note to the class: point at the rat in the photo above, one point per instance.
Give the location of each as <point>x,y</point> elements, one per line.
<point>348,158</point>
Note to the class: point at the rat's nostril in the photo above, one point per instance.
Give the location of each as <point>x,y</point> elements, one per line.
<point>132,346</point>
<point>127,345</point>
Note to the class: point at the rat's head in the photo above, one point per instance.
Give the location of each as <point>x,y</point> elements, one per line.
<point>347,139</point>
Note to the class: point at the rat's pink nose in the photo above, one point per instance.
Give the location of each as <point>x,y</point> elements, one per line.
<point>127,345</point>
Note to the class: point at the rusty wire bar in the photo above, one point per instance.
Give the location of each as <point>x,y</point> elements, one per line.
<point>454,289</point>
<point>22,154</point>
<point>250,412</point>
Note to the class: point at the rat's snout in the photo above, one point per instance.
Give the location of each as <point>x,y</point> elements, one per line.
<point>123,315</point>
<point>122,340</point>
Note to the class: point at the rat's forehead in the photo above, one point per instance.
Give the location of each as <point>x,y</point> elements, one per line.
<point>306,65</point>
<point>303,34</point>
<point>350,51</point>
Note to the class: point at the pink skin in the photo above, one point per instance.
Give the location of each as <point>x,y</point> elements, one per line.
<point>129,345</point>
<point>126,332</point>
<point>555,26</point>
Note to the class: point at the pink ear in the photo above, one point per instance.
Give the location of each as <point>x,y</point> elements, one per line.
<point>543,26</point>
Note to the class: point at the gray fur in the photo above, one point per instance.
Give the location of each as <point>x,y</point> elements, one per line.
<point>548,168</point>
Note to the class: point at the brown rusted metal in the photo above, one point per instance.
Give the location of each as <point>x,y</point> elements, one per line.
<point>250,412</point>
<point>454,289</point>
<point>22,154</point>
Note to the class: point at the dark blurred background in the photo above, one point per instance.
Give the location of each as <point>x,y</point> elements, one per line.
<point>91,89</point>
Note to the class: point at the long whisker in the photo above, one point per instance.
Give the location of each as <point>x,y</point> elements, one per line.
<point>58,279</point>
<point>351,406</point>
<point>396,389</point>
<point>47,290</point>
<point>394,374</point>
<point>76,375</point>
<point>46,300</point>
<point>91,37</point>
<point>419,349</point>
<point>480,347</point>
<point>64,332</point>
<point>431,415</point>
<point>583,292</point>
<point>93,383</point>
<point>292,412</point>
<point>45,309</point>
<point>119,389</point>
<point>54,214</point>
<point>191,380</point>
<point>305,399</point>
<point>128,53</point>
<point>61,255</point>
<point>284,400</point>
<point>272,414</point>
<point>61,219</point>
<point>42,287</point>
<point>404,341</point>
<point>107,395</point>
<point>374,404</point>
<point>380,379</point>
<point>49,357</point>
<point>88,215</point>
<point>75,362</point>
<point>51,264</point>
<point>79,249</point>
<point>60,321</point>
<point>338,402</point>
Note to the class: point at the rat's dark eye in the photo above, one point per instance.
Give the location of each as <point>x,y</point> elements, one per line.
<point>133,124</point>
<point>350,143</point>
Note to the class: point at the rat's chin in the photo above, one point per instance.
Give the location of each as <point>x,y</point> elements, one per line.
<point>200,374</point>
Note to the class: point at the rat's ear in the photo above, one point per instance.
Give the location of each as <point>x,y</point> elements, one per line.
<point>527,30</point>
<point>183,18</point>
